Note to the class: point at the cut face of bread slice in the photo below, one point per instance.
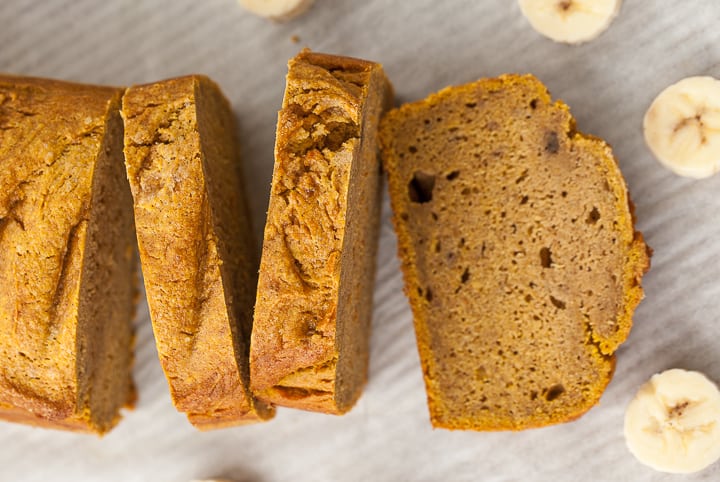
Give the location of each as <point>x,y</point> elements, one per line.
<point>67,256</point>
<point>518,249</point>
<point>196,248</point>
<point>314,301</point>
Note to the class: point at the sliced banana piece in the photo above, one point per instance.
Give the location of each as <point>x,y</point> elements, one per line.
<point>570,21</point>
<point>673,423</point>
<point>682,127</point>
<point>279,10</point>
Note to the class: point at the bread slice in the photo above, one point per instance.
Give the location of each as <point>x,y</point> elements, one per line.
<point>309,345</point>
<point>196,248</point>
<point>518,249</point>
<point>67,257</point>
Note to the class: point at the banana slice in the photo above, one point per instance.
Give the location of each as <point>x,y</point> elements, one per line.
<point>279,10</point>
<point>570,21</point>
<point>673,423</point>
<point>682,127</point>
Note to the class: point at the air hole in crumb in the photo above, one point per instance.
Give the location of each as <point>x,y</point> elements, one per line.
<point>434,216</point>
<point>593,217</point>
<point>461,243</point>
<point>452,176</point>
<point>533,395</point>
<point>528,298</point>
<point>554,392</point>
<point>558,304</point>
<point>465,276</point>
<point>428,295</point>
<point>522,176</point>
<point>471,105</point>
<point>524,200</point>
<point>564,194</point>
<point>404,216</point>
<point>545,257</point>
<point>412,149</point>
<point>533,104</point>
<point>437,247</point>
<point>552,144</point>
<point>421,187</point>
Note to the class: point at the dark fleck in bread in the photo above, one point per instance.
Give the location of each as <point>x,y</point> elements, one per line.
<point>67,257</point>
<point>518,249</point>
<point>309,345</point>
<point>196,248</point>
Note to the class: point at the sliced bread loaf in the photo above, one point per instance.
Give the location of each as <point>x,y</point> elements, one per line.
<point>314,300</point>
<point>196,249</point>
<point>67,256</point>
<point>518,249</point>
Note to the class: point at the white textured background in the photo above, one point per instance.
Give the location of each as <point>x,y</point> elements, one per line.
<point>424,45</point>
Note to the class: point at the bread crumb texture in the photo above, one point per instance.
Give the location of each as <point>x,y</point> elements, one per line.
<point>196,248</point>
<point>518,249</point>
<point>67,258</point>
<point>314,300</point>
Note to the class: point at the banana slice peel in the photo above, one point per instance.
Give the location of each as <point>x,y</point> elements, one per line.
<point>570,21</point>
<point>682,127</point>
<point>673,423</point>
<point>278,10</point>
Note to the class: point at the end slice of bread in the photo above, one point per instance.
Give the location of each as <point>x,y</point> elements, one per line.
<point>67,256</point>
<point>518,249</point>
<point>196,248</point>
<point>314,300</point>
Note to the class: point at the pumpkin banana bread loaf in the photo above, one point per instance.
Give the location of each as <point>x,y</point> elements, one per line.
<point>196,248</point>
<point>67,256</point>
<point>518,249</point>
<point>313,308</point>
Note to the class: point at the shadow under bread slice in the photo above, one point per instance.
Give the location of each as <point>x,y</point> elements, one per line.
<point>196,248</point>
<point>310,336</point>
<point>518,249</point>
<point>67,256</point>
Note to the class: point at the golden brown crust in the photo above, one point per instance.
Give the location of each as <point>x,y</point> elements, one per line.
<point>195,245</point>
<point>323,206</point>
<point>499,326</point>
<point>57,155</point>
